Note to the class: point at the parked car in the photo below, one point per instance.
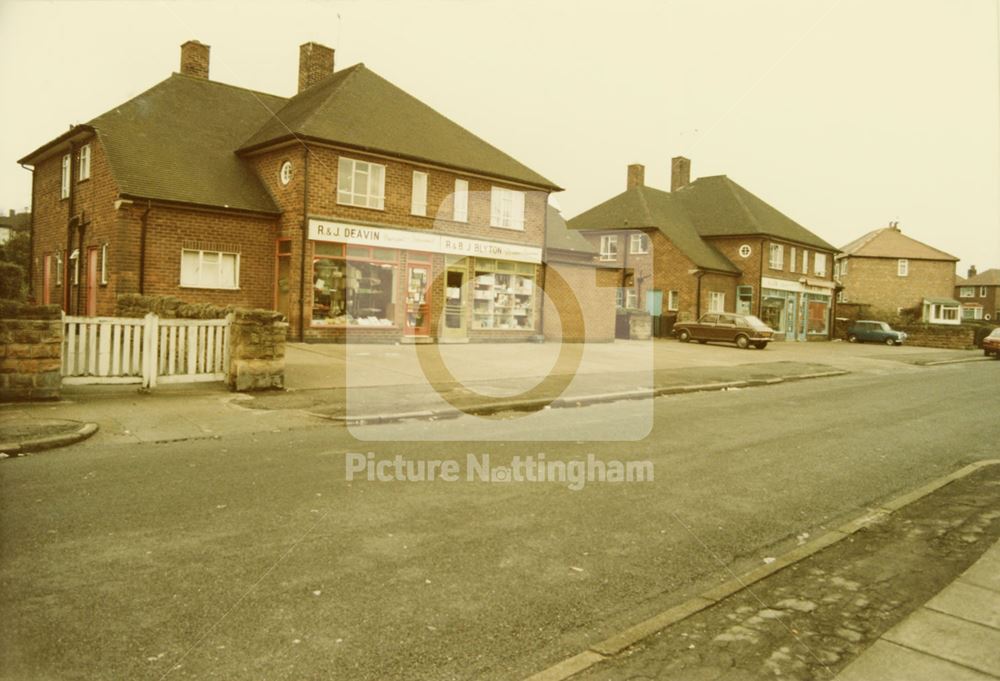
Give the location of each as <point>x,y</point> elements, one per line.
<point>866,330</point>
<point>743,329</point>
<point>991,344</point>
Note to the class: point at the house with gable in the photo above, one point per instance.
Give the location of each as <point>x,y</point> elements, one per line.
<point>712,246</point>
<point>979,294</point>
<point>351,206</point>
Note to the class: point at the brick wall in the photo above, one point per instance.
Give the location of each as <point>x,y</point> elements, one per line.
<point>30,352</point>
<point>594,320</point>
<point>874,281</point>
<point>990,302</point>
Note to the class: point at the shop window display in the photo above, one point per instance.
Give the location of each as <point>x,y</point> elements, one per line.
<point>356,290</point>
<point>504,295</point>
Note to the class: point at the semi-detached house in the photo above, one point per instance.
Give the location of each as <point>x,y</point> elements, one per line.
<point>349,207</point>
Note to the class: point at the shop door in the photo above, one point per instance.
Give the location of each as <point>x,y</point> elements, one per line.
<point>454,303</point>
<point>418,303</point>
<point>91,282</point>
<point>791,317</point>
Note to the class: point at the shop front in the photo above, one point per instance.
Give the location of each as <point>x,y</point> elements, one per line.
<point>797,310</point>
<point>391,284</point>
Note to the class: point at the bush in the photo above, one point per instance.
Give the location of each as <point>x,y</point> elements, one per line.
<point>13,283</point>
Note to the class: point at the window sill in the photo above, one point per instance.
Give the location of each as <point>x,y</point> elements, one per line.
<point>83,179</point>
<point>209,288</point>
<point>509,229</point>
<point>354,205</point>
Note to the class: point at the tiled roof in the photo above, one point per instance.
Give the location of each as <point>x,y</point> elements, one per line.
<point>889,242</point>
<point>985,278</point>
<point>358,108</point>
<point>558,236</point>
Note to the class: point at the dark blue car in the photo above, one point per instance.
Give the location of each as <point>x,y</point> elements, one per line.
<point>867,331</point>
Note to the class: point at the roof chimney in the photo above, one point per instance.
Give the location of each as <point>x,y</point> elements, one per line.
<point>12,214</point>
<point>680,173</point>
<point>636,176</point>
<point>972,271</point>
<point>315,64</point>
<point>194,59</point>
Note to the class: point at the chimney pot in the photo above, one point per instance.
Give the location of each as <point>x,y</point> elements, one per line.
<point>194,59</point>
<point>972,271</point>
<point>636,176</point>
<point>680,172</point>
<point>315,64</point>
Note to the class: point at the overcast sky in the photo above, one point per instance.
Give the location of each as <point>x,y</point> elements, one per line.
<point>842,114</point>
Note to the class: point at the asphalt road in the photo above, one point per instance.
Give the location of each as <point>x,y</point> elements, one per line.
<point>253,557</point>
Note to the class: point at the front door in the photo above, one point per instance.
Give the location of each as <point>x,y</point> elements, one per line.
<point>92,281</point>
<point>453,327</point>
<point>418,303</point>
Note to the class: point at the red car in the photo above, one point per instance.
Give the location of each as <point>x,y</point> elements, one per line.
<point>743,329</point>
<point>991,344</point>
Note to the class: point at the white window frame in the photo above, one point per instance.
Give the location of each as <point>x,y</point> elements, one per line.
<point>975,312</point>
<point>819,264</point>
<point>461,201</point>
<point>59,268</point>
<point>638,244</point>
<point>67,160</point>
<point>201,283</point>
<point>285,173</point>
<point>776,257</point>
<point>673,300</point>
<point>902,267</point>
<point>104,264</point>
<point>937,311</point>
<point>805,261</point>
<point>982,291</point>
<point>843,267</point>
<point>372,195</point>
<point>74,258</point>
<point>967,292</point>
<point>716,301</point>
<point>631,299</point>
<point>84,163</point>
<point>793,255</point>
<point>506,208</point>
<point>418,194</point>
<point>609,247</point>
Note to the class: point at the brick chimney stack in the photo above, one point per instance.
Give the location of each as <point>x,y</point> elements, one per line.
<point>194,59</point>
<point>680,172</point>
<point>636,176</point>
<point>315,64</point>
<point>972,271</point>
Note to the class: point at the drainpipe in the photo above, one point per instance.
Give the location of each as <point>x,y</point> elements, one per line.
<point>760,281</point>
<point>305,245</point>
<point>80,229</point>
<point>697,307</point>
<point>31,240</point>
<point>144,228</point>
<point>67,280</point>
<point>543,271</point>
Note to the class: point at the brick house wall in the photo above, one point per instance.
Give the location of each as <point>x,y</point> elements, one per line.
<point>990,302</point>
<point>875,282</point>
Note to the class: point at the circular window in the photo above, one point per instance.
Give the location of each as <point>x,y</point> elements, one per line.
<point>745,251</point>
<point>286,172</point>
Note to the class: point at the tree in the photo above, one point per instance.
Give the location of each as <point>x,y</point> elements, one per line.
<point>17,250</point>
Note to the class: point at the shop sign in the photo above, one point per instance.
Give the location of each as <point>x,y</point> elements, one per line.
<point>365,235</point>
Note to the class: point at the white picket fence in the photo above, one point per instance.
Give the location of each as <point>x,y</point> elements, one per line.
<point>147,351</point>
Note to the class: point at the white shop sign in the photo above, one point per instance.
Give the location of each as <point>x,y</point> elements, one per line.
<point>781,284</point>
<point>364,235</point>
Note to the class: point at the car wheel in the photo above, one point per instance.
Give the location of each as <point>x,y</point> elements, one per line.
<point>760,346</point>
<point>684,336</point>
<point>890,341</point>
<point>852,338</point>
<point>742,342</point>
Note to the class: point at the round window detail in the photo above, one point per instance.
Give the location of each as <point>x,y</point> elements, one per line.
<point>745,251</point>
<point>286,172</point>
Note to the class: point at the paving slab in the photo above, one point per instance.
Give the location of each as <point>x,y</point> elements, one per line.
<point>986,572</point>
<point>950,638</point>
<point>970,602</point>
<point>886,661</point>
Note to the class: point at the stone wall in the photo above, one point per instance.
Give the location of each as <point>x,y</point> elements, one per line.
<point>257,351</point>
<point>939,336</point>
<point>167,307</point>
<point>30,351</point>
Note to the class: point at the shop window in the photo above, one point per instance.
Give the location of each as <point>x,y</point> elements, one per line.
<point>716,301</point>
<point>817,314</point>
<point>461,213</point>
<point>673,301</point>
<point>967,292</point>
<point>84,163</point>
<point>356,290</point>
<point>210,269</point>
<point>360,183</point>
<point>67,160</point>
<point>104,265</point>
<point>506,208</point>
<point>418,197</point>
<point>503,295</point>
<point>776,261</point>
<point>609,247</point>
<point>744,299</point>
<point>902,267</point>
<point>819,264</point>
<point>638,244</point>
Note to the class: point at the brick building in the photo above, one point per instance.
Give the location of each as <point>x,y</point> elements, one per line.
<point>891,274</point>
<point>710,245</point>
<point>979,294</point>
<point>349,207</point>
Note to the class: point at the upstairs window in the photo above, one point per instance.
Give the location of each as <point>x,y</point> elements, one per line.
<point>84,163</point>
<point>776,261</point>
<point>64,187</point>
<point>104,265</point>
<point>843,266</point>
<point>461,213</point>
<point>805,261</point>
<point>418,197</point>
<point>506,208</point>
<point>638,244</point>
<point>967,292</point>
<point>210,269</point>
<point>982,291</point>
<point>609,247</point>
<point>819,264</point>
<point>360,183</point>
<point>902,267</point>
<point>792,259</point>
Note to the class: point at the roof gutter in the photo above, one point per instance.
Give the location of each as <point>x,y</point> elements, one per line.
<point>54,147</point>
